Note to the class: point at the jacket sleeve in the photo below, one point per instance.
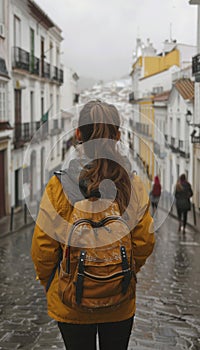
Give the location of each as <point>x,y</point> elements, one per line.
<point>46,245</point>
<point>143,240</point>
<point>143,234</point>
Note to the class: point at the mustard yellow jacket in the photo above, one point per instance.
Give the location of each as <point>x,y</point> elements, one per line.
<point>55,210</point>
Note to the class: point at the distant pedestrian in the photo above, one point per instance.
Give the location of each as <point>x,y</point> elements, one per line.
<point>155,193</point>
<point>183,192</point>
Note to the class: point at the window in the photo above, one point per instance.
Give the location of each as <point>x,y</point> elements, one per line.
<point>180,144</point>
<point>157,89</point>
<point>32,106</point>
<point>51,53</point>
<point>3,111</point>
<point>57,104</point>
<point>2,14</point>
<point>178,128</point>
<point>57,56</point>
<point>17,32</point>
<point>170,125</point>
<point>42,55</point>
<point>51,105</point>
<point>32,50</point>
<point>42,106</point>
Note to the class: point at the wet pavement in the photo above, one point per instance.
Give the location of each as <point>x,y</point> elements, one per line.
<point>168,295</point>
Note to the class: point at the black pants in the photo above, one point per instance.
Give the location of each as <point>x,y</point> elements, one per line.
<point>182,213</point>
<point>112,335</point>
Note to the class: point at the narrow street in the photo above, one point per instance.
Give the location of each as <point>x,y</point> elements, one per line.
<point>168,296</point>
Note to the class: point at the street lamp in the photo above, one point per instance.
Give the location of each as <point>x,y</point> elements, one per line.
<point>194,138</point>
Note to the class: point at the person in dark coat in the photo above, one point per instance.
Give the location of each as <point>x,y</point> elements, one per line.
<point>183,192</point>
<point>155,193</point>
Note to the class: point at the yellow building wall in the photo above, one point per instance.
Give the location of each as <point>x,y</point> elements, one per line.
<point>157,64</point>
<point>152,65</point>
<point>172,58</point>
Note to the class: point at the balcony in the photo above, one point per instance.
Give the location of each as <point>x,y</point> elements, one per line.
<point>3,68</point>
<point>24,132</point>
<point>58,75</point>
<point>61,76</point>
<point>25,61</point>
<point>183,149</point>
<point>55,74</point>
<point>143,129</point>
<point>195,139</point>
<point>196,67</point>
<point>173,145</point>
<point>46,70</point>
<point>21,59</point>
<point>34,65</point>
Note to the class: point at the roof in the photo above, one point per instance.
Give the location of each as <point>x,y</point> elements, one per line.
<point>164,96</point>
<point>186,88</point>
<point>194,2</point>
<point>37,12</point>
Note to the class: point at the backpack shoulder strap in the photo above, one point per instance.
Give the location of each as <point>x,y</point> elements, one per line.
<point>59,173</point>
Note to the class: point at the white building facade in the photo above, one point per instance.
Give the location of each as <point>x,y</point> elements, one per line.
<point>153,77</point>
<point>195,120</point>
<point>32,52</point>
<point>5,112</point>
<point>180,151</point>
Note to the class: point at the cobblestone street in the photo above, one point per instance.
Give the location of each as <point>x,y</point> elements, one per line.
<point>168,296</point>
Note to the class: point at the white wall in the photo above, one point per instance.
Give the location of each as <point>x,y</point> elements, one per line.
<point>163,79</point>
<point>177,108</point>
<point>45,88</point>
<point>186,54</point>
<point>68,89</point>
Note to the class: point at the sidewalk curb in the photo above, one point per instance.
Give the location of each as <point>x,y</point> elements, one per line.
<point>188,223</point>
<point>8,233</point>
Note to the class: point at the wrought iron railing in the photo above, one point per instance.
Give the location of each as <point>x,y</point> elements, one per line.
<point>21,59</point>
<point>34,65</point>
<point>28,62</point>
<point>24,132</point>
<point>46,73</point>
<point>196,64</point>
<point>3,68</point>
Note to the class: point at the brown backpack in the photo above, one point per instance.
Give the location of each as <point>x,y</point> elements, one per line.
<point>97,270</point>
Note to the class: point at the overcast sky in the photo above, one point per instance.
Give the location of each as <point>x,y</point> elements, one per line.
<point>100,35</point>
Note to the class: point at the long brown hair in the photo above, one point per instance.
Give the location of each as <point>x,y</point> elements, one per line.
<point>100,120</point>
